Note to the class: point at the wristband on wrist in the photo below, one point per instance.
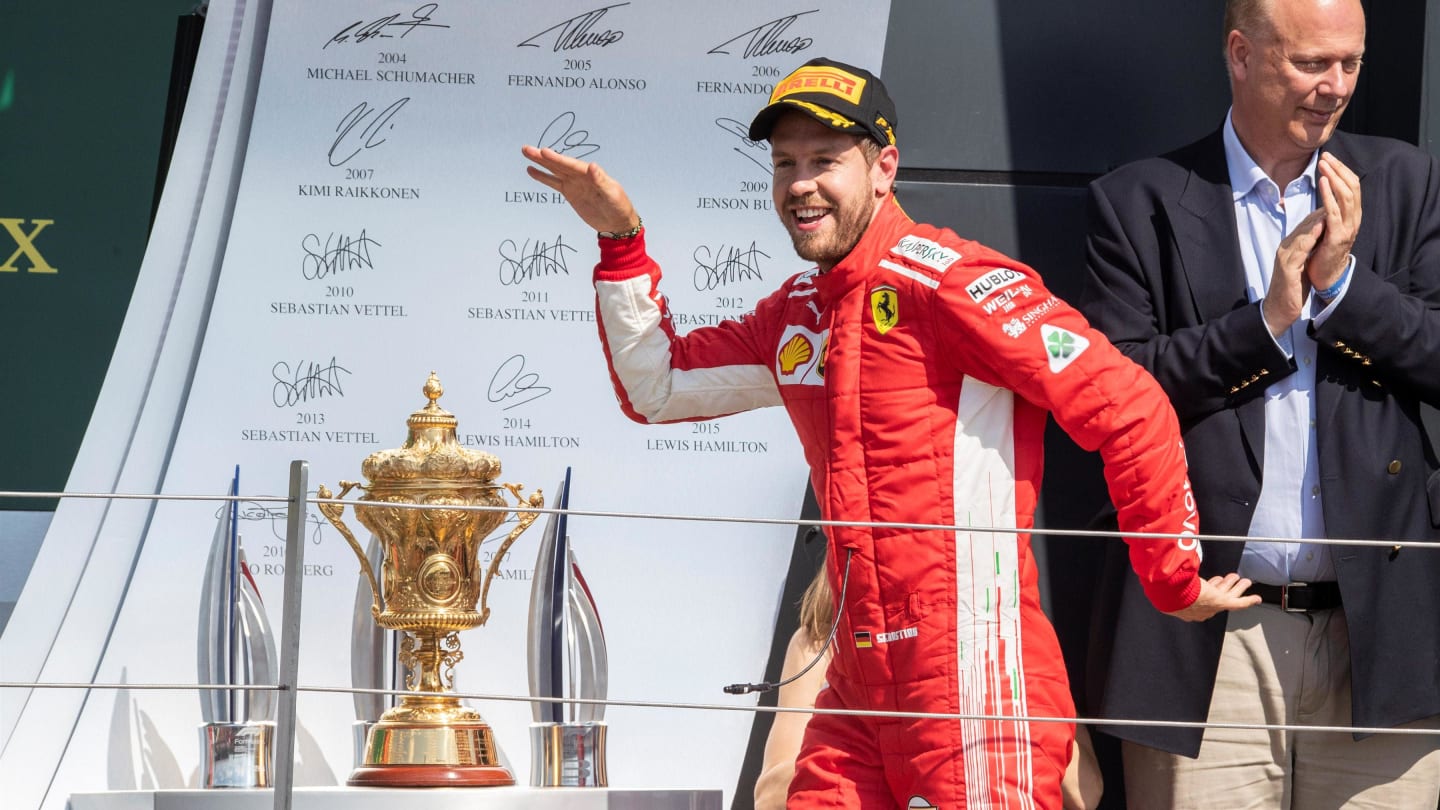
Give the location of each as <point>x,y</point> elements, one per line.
<point>1334,289</point>
<point>630,234</point>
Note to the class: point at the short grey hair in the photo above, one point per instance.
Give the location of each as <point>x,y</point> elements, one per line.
<point>1250,17</point>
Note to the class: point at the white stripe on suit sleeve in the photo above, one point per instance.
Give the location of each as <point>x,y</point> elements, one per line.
<point>640,354</point>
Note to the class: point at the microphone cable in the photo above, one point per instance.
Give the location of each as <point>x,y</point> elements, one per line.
<point>766,686</point>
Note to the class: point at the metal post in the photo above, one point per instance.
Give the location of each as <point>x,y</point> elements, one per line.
<point>290,635</point>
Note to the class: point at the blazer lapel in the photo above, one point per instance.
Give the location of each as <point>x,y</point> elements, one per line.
<point>1203,219</point>
<point>1208,243</point>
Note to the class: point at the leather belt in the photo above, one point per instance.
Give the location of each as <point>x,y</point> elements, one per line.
<point>1300,597</point>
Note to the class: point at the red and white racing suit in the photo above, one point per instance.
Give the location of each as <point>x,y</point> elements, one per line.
<point>917,373</point>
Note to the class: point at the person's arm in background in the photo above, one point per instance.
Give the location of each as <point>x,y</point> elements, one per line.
<point>1083,784</point>
<point>778,766</point>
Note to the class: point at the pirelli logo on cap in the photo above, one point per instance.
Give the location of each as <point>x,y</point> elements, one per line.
<point>923,251</point>
<point>819,79</point>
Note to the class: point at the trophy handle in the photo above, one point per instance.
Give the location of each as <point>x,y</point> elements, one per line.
<point>332,512</point>
<point>535,501</point>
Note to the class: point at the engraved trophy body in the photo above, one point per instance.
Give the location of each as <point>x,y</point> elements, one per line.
<point>432,580</point>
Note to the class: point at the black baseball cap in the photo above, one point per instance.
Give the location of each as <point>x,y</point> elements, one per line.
<point>838,95</point>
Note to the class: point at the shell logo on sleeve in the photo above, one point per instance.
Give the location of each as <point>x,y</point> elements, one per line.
<point>795,351</point>
<point>798,359</point>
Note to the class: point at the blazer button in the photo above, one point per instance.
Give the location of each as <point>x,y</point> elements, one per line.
<point>1394,467</point>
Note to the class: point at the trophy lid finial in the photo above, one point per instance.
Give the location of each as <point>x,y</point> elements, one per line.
<point>433,391</point>
<point>432,415</point>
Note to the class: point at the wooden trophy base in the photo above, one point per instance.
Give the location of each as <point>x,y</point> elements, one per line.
<point>430,776</point>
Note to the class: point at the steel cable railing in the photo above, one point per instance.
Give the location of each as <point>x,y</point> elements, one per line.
<point>288,687</point>
<point>760,521</point>
<point>722,707</point>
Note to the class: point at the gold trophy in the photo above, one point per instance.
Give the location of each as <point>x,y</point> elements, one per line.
<point>432,581</point>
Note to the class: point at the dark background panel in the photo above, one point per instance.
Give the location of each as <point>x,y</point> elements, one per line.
<point>1041,225</point>
<point>1430,80</point>
<point>1041,86</point>
<point>82,105</point>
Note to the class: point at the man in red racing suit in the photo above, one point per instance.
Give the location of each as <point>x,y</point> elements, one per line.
<point>917,368</point>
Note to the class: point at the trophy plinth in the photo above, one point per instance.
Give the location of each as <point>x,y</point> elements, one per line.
<point>236,755</point>
<point>430,742</point>
<point>432,580</point>
<point>568,755</point>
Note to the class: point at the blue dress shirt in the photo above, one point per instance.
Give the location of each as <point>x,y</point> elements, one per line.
<point>1289,505</point>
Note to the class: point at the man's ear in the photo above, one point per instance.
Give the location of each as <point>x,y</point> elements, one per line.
<point>882,171</point>
<point>1238,52</point>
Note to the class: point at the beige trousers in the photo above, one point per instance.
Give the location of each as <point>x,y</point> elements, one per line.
<point>1287,668</point>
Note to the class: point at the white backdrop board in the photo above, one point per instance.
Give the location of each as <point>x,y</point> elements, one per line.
<point>384,228</point>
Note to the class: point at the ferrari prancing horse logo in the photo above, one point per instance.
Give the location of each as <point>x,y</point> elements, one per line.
<point>884,308</point>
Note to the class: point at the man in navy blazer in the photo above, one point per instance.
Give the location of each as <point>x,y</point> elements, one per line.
<point>1282,282</point>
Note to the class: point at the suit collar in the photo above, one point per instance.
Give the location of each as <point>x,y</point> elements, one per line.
<point>1203,220</point>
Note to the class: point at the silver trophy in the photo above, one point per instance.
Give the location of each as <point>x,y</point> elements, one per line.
<point>373,661</point>
<point>567,659</point>
<point>235,647</point>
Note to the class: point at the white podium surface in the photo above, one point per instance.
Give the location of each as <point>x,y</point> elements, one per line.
<point>339,798</point>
